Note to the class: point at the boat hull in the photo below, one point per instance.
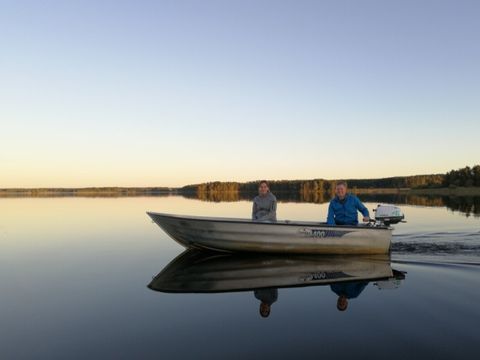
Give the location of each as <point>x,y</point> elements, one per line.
<point>233,235</point>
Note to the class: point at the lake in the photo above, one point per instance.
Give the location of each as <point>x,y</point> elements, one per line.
<point>74,276</point>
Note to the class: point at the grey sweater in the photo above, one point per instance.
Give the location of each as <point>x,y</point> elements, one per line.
<point>264,208</point>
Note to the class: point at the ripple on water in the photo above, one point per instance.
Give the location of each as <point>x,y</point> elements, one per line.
<point>439,246</point>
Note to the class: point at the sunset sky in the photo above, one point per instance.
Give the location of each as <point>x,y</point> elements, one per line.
<point>151,93</point>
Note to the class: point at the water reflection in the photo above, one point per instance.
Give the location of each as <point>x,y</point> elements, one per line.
<point>196,271</point>
<point>468,205</point>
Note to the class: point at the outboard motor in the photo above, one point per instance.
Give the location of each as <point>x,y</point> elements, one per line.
<point>388,214</point>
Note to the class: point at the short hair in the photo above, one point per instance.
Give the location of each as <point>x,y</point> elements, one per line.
<point>263,182</point>
<point>341,182</point>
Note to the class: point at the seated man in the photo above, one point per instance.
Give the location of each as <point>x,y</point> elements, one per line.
<point>343,207</point>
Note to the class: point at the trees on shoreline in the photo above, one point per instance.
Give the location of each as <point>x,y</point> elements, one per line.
<point>302,189</point>
<point>318,187</point>
<point>467,176</point>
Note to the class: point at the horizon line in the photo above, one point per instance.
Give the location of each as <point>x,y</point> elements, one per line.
<point>204,182</point>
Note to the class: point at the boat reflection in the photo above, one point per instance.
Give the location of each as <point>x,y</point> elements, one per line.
<point>196,271</point>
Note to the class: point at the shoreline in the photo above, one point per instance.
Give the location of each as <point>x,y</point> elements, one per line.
<point>457,191</point>
<point>160,191</point>
<point>87,192</point>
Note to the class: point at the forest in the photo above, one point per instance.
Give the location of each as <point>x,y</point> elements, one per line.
<point>316,190</point>
<point>466,177</point>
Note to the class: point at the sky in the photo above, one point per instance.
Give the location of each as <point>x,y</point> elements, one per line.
<point>168,93</point>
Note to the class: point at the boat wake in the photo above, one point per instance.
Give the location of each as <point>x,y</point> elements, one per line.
<point>451,235</point>
<point>431,248</point>
<point>445,246</point>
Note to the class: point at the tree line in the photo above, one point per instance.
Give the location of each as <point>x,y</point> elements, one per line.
<point>467,176</point>
<point>462,177</point>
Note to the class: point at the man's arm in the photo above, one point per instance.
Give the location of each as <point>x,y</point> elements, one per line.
<point>363,209</point>
<point>330,216</point>
<point>254,210</point>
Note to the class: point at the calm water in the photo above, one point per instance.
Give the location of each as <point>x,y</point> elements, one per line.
<point>74,275</point>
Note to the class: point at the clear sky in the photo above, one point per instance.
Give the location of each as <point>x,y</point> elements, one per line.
<point>139,93</point>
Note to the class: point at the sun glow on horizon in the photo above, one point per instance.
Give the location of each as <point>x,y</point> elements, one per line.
<point>158,94</point>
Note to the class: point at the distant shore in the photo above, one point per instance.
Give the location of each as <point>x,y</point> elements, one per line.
<point>162,191</point>
<point>457,191</point>
<point>88,192</point>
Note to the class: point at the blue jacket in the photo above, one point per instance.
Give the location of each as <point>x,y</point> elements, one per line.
<point>350,290</point>
<point>345,212</point>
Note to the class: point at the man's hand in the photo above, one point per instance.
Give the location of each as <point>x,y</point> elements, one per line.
<point>366,219</point>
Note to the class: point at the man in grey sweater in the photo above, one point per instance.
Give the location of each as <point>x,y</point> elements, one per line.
<point>264,204</point>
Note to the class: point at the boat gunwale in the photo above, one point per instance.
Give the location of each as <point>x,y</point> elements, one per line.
<point>281,222</point>
<point>264,287</point>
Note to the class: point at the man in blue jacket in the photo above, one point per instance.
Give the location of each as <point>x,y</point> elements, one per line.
<point>344,206</point>
<point>347,290</point>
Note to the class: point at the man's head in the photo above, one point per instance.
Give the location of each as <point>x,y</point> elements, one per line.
<point>263,187</point>
<point>341,189</point>
<point>342,303</point>
<point>264,309</point>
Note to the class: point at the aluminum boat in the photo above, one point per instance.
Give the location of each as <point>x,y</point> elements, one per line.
<point>294,237</point>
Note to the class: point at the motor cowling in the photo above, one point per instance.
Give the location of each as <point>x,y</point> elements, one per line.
<point>388,214</point>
